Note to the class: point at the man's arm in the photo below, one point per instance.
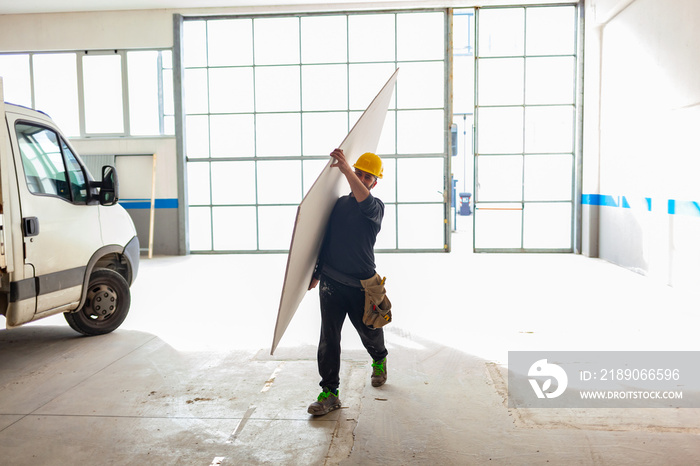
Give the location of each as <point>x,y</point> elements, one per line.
<point>359,190</point>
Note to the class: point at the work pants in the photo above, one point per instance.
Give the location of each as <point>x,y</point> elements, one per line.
<point>338,300</point>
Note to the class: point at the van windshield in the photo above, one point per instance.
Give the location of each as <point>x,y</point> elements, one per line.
<point>50,167</point>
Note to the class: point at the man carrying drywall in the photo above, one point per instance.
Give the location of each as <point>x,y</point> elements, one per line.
<point>346,258</point>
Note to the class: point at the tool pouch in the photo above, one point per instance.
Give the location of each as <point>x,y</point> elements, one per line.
<point>377,305</point>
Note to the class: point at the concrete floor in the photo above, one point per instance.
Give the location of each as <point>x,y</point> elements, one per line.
<point>188,379</point>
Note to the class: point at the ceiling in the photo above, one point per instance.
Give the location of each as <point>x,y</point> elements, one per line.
<point>56,6</point>
<point>64,6</point>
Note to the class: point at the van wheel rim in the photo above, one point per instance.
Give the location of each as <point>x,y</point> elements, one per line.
<point>102,302</point>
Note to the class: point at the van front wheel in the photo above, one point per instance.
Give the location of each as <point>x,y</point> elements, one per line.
<point>106,304</point>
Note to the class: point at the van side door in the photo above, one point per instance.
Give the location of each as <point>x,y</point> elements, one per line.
<point>61,224</point>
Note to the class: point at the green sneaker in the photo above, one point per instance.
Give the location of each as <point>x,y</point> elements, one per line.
<point>327,402</point>
<point>378,373</point>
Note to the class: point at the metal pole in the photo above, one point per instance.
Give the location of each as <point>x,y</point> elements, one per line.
<point>181,156</point>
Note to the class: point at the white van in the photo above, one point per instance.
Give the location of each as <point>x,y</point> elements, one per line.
<point>65,244</point>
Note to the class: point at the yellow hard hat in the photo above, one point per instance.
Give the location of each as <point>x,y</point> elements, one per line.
<point>370,163</point>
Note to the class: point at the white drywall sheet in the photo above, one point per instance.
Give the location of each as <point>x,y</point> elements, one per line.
<point>315,208</point>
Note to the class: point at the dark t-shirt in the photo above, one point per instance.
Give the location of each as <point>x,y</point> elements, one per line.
<point>348,245</point>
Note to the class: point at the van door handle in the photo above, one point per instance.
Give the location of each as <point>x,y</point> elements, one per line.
<point>31,226</point>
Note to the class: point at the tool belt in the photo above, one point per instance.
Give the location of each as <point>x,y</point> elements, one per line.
<point>377,305</point>
<point>340,277</point>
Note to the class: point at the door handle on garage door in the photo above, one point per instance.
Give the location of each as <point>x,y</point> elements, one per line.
<point>30,226</point>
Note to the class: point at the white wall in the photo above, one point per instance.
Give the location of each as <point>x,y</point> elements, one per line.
<point>642,135</point>
<point>91,31</point>
<point>164,147</point>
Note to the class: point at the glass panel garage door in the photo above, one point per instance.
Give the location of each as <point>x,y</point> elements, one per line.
<point>525,115</point>
<point>267,99</point>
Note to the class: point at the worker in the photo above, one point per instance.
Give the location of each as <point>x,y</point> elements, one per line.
<point>346,258</point>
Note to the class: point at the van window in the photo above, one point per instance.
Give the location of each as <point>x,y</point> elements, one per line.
<point>43,153</point>
<point>76,176</point>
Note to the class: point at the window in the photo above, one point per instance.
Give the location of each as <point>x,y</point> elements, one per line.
<point>268,98</point>
<point>150,80</point>
<point>102,84</point>
<point>526,122</point>
<point>95,93</point>
<point>76,175</point>
<point>43,153</point>
<point>14,70</point>
<point>56,89</point>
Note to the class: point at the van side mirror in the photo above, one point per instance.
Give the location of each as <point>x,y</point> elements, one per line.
<point>109,187</point>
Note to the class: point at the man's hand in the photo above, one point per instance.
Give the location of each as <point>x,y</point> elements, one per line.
<point>341,163</point>
<point>314,282</point>
<point>359,190</point>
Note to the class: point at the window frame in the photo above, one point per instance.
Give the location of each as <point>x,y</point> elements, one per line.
<point>182,66</point>
<point>124,81</point>
<point>61,142</point>
<point>123,54</point>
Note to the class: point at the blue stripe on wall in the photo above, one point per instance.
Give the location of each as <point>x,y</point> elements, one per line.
<point>690,208</point>
<point>146,203</point>
<point>673,206</point>
<point>600,199</point>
